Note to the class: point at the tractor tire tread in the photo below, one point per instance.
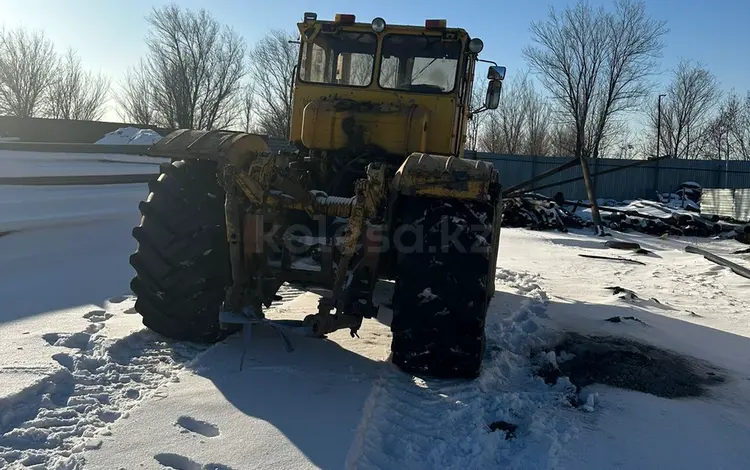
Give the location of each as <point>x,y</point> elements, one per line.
<point>182,260</point>
<point>440,299</point>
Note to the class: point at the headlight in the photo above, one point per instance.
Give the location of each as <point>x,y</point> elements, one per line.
<point>378,25</point>
<point>476,45</point>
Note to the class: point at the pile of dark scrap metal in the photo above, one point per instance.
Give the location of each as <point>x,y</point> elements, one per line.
<point>676,213</point>
<point>537,212</point>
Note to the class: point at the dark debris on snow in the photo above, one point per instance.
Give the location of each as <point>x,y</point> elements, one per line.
<point>630,365</point>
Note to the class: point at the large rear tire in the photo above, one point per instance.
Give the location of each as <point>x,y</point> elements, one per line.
<point>441,296</point>
<point>182,259</point>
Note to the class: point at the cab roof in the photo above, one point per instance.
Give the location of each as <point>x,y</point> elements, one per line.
<point>349,21</point>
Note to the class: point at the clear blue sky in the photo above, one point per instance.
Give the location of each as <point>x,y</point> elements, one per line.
<point>109,34</point>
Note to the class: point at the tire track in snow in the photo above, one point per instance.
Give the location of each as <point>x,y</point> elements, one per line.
<point>50,424</point>
<point>425,424</point>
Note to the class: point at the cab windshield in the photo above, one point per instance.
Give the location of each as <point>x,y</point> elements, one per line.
<point>341,58</point>
<point>426,64</point>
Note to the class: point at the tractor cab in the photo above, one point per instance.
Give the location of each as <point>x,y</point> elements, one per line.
<point>399,89</point>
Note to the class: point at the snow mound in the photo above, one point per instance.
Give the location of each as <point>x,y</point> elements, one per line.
<point>130,136</point>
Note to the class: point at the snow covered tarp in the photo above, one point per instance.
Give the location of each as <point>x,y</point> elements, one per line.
<point>130,136</point>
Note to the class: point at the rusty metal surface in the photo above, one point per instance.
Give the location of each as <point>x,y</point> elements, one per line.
<point>236,147</point>
<point>399,129</point>
<point>423,174</point>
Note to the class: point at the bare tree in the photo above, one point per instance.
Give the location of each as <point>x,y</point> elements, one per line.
<point>563,138</point>
<point>691,97</point>
<point>741,128</point>
<point>504,131</point>
<point>476,121</point>
<point>193,69</point>
<point>135,103</point>
<point>272,63</point>
<point>389,75</point>
<point>631,52</point>
<point>361,68</point>
<point>603,140</point>
<point>563,135</point>
<point>567,59</point>
<point>248,107</point>
<point>735,113</point>
<point>491,135</point>
<point>27,69</point>
<point>727,135</point>
<point>538,123</point>
<point>75,93</point>
<point>522,124</point>
<point>596,63</point>
<point>512,115</point>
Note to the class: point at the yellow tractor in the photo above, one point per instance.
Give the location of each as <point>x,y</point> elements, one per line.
<point>376,192</point>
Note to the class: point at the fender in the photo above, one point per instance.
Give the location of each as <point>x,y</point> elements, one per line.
<point>439,176</point>
<point>238,148</point>
<point>444,177</point>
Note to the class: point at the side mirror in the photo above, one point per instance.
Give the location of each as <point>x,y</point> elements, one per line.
<point>496,72</point>
<point>492,100</point>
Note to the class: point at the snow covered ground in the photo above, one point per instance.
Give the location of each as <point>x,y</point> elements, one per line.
<point>26,207</point>
<point>14,163</point>
<point>84,386</point>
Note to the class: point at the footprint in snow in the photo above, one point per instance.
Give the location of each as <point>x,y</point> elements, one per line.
<point>75,341</point>
<point>177,462</point>
<point>96,316</point>
<point>119,299</point>
<point>180,462</point>
<point>65,360</point>
<point>94,328</point>
<point>51,338</point>
<point>199,427</point>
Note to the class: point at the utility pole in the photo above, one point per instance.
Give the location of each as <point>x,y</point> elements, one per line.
<point>658,126</point>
